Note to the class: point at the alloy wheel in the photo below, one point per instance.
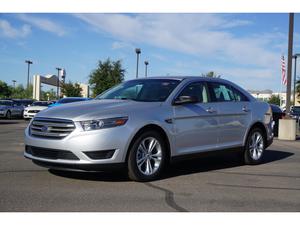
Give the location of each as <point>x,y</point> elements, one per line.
<point>256,145</point>
<point>149,156</point>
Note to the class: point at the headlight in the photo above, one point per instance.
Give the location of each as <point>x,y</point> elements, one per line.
<point>103,123</point>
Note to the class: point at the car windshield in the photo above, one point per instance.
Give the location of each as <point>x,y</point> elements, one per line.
<point>144,90</point>
<point>69,100</point>
<point>5,103</point>
<point>40,104</point>
<point>296,110</point>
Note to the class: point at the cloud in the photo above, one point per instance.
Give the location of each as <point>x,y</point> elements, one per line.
<point>120,45</point>
<point>206,35</point>
<point>43,24</point>
<point>7,30</point>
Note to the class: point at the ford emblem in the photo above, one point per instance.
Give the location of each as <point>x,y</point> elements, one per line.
<point>44,128</point>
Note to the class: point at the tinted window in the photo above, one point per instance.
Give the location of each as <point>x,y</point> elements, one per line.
<point>8,103</point>
<point>146,90</point>
<point>221,92</point>
<point>197,89</point>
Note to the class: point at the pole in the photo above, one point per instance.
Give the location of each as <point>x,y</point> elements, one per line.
<point>57,91</point>
<point>146,68</point>
<point>295,69</point>
<point>137,66</point>
<point>138,52</point>
<point>290,54</point>
<point>28,70</point>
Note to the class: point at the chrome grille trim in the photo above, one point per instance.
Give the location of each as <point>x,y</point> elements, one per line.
<point>51,128</point>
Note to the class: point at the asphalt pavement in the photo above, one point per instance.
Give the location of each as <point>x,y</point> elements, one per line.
<point>212,183</point>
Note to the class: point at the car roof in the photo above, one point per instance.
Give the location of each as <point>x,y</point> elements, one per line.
<point>184,78</point>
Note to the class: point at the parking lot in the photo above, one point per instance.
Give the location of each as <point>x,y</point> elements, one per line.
<point>219,183</point>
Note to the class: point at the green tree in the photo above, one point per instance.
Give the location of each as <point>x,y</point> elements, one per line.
<point>71,90</point>
<point>5,90</point>
<point>21,92</point>
<point>107,74</point>
<point>275,99</point>
<point>298,89</point>
<point>211,74</point>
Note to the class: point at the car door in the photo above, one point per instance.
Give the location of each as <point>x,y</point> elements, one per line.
<point>234,113</point>
<point>195,123</point>
<point>16,109</point>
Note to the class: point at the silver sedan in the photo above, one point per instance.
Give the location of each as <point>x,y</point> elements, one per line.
<point>145,124</point>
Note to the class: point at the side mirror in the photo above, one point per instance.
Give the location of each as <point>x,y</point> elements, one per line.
<point>185,100</point>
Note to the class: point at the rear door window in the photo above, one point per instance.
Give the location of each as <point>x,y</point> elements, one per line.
<point>221,92</point>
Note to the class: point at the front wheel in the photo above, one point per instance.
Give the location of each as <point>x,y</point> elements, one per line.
<point>147,157</point>
<point>255,146</point>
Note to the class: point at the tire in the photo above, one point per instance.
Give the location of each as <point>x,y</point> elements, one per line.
<point>151,163</point>
<point>255,147</point>
<point>8,115</point>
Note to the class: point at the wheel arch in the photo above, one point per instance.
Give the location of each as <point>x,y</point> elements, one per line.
<point>151,127</point>
<point>257,124</point>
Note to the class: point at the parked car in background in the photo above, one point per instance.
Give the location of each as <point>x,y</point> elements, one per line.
<point>34,108</point>
<point>68,100</point>
<point>277,114</point>
<point>23,102</point>
<point>144,124</point>
<point>10,108</point>
<point>295,112</point>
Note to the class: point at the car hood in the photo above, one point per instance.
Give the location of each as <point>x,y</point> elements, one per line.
<point>36,107</point>
<point>96,109</point>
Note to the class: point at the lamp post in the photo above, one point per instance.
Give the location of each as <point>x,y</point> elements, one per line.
<point>57,91</point>
<point>146,68</point>
<point>295,74</point>
<point>138,52</point>
<point>28,70</point>
<point>14,83</point>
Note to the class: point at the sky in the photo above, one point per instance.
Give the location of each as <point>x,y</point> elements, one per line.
<point>243,48</point>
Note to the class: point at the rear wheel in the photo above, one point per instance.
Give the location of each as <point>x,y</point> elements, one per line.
<point>8,115</point>
<point>255,147</point>
<point>147,157</point>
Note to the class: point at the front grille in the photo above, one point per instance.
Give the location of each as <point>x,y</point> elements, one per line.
<point>50,153</point>
<point>106,154</point>
<point>33,111</point>
<point>51,128</point>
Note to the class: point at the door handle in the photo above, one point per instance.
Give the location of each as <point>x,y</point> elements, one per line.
<point>210,110</point>
<point>245,109</point>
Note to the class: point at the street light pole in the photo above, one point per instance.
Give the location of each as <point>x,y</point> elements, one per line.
<point>57,91</point>
<point>146,68</point>
<point>289,69</point>
<point>28,69</point>
<point>14,83</point>
<point>138,52</point>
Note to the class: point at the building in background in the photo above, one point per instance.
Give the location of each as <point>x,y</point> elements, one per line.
<point>265,95</point>
<point>85,92</point>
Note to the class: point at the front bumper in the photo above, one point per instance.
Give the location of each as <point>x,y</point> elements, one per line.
<point>80,142</point>
<point>28,115</point>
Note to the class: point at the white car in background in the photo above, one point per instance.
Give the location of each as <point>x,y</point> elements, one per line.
<point>31,111</point>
